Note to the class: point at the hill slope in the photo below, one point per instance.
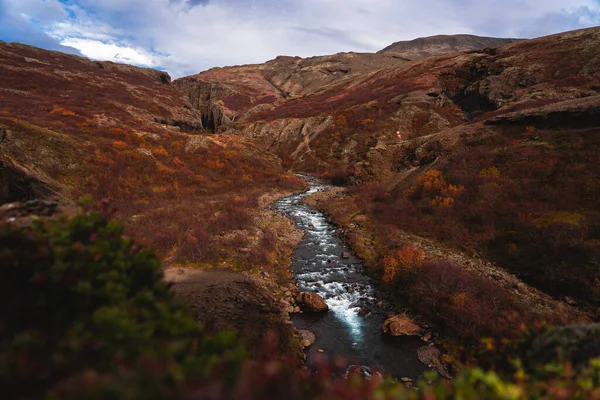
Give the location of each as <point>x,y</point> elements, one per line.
<point>442,44</point>
<point>234,93</point>
<point>71,127</point>
<point>492,152</point>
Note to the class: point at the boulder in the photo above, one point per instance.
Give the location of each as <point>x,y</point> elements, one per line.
<point>307,338</point>
<point>311,302</point>
<point>429,355</point>
<point>432,357</point>
<point>400,325</point>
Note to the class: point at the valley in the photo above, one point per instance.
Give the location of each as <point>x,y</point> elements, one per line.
<point>452,181</point>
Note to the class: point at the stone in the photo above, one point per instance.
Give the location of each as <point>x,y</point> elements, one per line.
<point>400,325</point>
<point>363,312</point>
<point>307,338</point>
<point>362,371</point>
<point>570,301</point>
<point>431,356</point>
<point>311,302</point>
<point>345,255</point>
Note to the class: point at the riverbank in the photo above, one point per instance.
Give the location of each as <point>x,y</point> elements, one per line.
<point>248,301</point>
<point>464,293</point>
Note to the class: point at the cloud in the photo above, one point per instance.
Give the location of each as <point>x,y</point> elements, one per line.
<point>23,21</point>
<point>187,36</point>
<point>99,50</point>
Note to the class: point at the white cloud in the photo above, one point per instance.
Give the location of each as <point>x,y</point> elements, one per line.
<point>98,50</point>
<point>186,39</point>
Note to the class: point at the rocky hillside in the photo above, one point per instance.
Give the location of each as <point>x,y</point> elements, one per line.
<point>70,103</point>
<point>442,44</point>
<point>361,120</point>
<point>225,95</point>
<point>491,151</point>
<point>71,127</point>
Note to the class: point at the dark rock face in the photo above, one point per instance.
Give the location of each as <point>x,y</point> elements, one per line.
<point>17,186</point>
<point>575,343</point>
<point>184,126</point>
<point>312,302</point>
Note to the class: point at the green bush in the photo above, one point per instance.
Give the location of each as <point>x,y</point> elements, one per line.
<point>80,299</point>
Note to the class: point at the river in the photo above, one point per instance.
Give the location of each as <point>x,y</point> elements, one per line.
<point>318,266</point>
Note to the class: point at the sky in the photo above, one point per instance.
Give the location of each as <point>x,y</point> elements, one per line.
<point>185,37</point>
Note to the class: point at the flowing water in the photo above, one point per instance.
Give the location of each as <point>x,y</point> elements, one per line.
<point>319,267</point>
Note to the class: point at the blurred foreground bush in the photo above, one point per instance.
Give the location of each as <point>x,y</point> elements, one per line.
<point>85,314</point>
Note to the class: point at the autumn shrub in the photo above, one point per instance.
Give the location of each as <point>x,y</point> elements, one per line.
<point>231,217</point>
<point>474,306</point>
<point>194,246</point>
<point>119,145</point>
<point>268,240</point>
<point>401,263</point>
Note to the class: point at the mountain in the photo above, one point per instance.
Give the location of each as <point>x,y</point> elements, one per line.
<point>304,125</point>
<point>442,44</point>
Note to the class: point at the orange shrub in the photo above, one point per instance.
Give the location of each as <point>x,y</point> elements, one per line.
<point>118,131</point>
<point>62,111</point>
<point>178,163</point>
<point>529,131</point>
<point>406,258</point>
<point>340,121</point>
<point>160,151</point>
<point>442,203</point>
<point>119,145</point>
<point>390,269</point>
<point>410,257</point>
<point>214,164</point>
